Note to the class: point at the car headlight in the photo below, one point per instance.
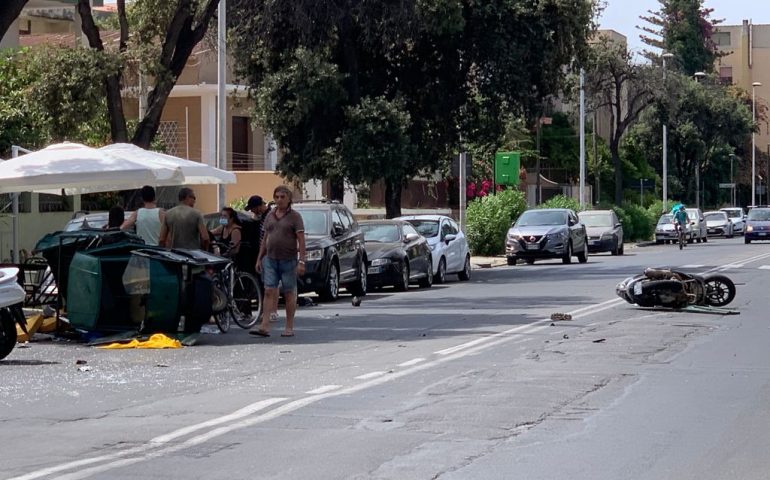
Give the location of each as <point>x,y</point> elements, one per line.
<point>377,262</point>
<point>555,236</point>
<point>512,236</point>
<point>749,228</point>
<point>317,254</point>
<point>606,235</point>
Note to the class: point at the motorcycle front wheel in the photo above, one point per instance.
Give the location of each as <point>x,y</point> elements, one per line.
<point>7,332</point>
<point>720,290</point>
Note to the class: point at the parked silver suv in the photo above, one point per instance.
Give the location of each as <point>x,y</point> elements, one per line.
<point>698,222</point>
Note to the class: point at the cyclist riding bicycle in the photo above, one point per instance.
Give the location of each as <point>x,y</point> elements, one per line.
<point>680,219</point>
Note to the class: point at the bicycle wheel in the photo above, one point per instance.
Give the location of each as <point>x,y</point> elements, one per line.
<point>247,300</point>
<point>222,313</point>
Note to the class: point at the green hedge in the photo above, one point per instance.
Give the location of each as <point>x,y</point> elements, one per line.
<point>639,223</point>
<point>560,201</point>
<point>488,219</point>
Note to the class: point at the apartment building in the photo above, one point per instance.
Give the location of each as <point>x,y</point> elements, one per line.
<point>746,61</point>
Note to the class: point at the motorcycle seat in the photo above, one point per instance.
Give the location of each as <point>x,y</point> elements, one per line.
<point>658,273</point>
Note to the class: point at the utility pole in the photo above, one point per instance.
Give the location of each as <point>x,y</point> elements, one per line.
<point>753,145</point>
<point>665,142</point>
<point>538,200</point>
<point>463,159</point>
<point>582,141</point>
<point>596,159</point>
<point>221,97</point>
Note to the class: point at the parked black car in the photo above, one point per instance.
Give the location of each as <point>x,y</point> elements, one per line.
<point>335,250</point>
<point>605,233</point>
<point>397,254</point>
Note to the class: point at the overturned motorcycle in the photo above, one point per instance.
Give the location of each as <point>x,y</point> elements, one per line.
<point>659,287</point>
<point>11,313</point>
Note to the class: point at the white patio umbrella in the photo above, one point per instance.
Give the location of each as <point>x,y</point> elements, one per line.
<point>191,173</point>
<point>79,169</point>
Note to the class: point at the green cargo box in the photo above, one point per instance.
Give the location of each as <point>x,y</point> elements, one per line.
<point>97,299</point>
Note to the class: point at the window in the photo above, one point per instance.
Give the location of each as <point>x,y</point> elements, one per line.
<point>726,75</point>
<point>346,215</point>
<point>409,229</point>
<point>455,227</point>
<point>721,39</point>
<point>168,133</point>
<point>337,221</point>
<point>240,146</point>
<point>446,229</point>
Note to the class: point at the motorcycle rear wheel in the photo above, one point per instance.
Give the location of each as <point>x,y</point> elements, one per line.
<point>720,290</point>
<point>7,333</point>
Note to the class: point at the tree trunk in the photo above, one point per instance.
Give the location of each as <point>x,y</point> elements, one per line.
<point>392,199</point>
<point>337,189</point>
<point>9,12</point>
<point>615,152</point>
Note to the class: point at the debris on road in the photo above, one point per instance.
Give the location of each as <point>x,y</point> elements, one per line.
<point>81,362</point>
<point>157,340</point>
<point>600,340</point>
<point>565,337</point>
<point>561,316</point>
<point>356,301</point>
<point>85,368</point>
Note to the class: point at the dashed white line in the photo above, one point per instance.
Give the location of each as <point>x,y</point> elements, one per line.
<point>323,389</point>
<point>411,362</point>
<point>764,267</point>
<point>693,266</point>
<point>369,375</point>
<point>733,266</point>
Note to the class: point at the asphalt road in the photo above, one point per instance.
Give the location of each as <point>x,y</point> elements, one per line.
<point>464,380</point>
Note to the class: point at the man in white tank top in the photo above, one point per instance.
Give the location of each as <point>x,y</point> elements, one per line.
<point>147,219</point>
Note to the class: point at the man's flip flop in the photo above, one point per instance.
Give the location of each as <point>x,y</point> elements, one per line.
<point>287,334</point>
<point>259,333</point>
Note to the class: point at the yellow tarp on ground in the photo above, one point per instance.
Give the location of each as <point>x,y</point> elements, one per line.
<point>157,340</point>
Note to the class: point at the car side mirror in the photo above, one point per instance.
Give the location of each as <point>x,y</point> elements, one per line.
<point>618,225</point>
<point>337,230</point>
<point>411,237</point>
<point>449,237</point>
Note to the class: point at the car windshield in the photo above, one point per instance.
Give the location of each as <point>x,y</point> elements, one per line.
<point>374,232</point>
<point>734,213</point>
<point>596,219</point>
<point>665,219</point>
<point>535,218</point>
<point>759,214</point>
<point>426,228</point>
<point>715,217</point>
<point>315,222</point>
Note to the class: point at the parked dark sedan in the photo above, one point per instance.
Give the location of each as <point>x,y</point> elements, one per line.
<point>397,254</point>
<point>757,224</point>
<point>605,233</point>
<point>547,233</point>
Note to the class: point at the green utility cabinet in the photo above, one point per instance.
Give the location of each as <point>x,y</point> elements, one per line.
<point>507,165</point>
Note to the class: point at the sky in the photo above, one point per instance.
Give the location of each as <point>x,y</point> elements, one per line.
<point>623,15</point>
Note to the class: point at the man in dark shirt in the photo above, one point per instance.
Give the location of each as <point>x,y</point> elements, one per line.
<point>183,226</point>
<point>281,260</point>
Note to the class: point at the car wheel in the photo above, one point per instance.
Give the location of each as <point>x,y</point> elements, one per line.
<point>331,290</point>
<point>567,258</point>
<point>358,288</point>
<point>583,257</point>
<point>402,284</point>
<point>705,239</point>
<point>621,250</point>
<point>427,281</point>
<point>660,242</point>
<point>465,274</point>
<point>690,239</point>
<point>530,261</point>
<point>510,260</point>
<point>615,248</point>
<point>746,240</point>
<point>440,276</point>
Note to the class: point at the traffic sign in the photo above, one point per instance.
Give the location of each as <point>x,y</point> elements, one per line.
<point>726,185</point>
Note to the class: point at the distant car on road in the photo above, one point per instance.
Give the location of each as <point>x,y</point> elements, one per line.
<point>447,243</point>
<point>605,233</point>
<point>718,224</point>
<point>757,224</point>
<point>547,233</point>
<point>699,230</point>
<point>85,221</point>
<point>665,230</point>
<point>397,254</point>
<point>737,217</point>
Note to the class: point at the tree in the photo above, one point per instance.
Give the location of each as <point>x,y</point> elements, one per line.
<point>436,69</point>
<point>684,28</point>
<point>9,12</point>
<point>165,35</point>
<point>625,88</point>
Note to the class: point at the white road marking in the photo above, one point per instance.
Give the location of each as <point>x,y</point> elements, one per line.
<point>156,442</point>
<point>692,266</point>
<point>764,267</point>
<point>369,375</point>
<point>494,340</point>
<point>411,362</point>
<point>733,266</point>
<point>324,389</point>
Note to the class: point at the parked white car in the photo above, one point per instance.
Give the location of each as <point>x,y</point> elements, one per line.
<point>738,218</point>
<point>698,223</point>
<point>448,245</point>
<point>718,223</point>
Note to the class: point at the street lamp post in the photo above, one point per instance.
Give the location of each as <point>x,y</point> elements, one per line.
<point>698,76</point>
<point>732,179</point>
<point>665,142</point>
<point>753,145</point>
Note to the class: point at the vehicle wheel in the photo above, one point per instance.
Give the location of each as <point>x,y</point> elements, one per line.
<point>427,281</point>
<point>746,240</point>
<point>331,290</point>
<point>402,284</point>
<point>705,239</point>
<point>510,260</point>
<point>247,300</point>
<point>220,305</point>
<point>660,242</point>
<point>621,250</point>
<point>530,261</point>
<point>720,290</point>
<point>465,274</point>
<point>567,258</point>
<point>690,239</point>
<point>440,276</point>
<point>358,288</point>
<point>583,257</point>
<point>616,248</point>
<point>7,332</point>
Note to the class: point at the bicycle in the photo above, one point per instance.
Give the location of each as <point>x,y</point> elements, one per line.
<point>680,236</point>
<point>237,296</point>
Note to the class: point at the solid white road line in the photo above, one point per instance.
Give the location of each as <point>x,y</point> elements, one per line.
<point>324,389</point>
<point>411,362</point>
<point>369,375</point>
<point>764,267</point>
<point>692,266</point>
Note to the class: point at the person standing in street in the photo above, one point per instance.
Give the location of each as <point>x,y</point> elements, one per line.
<point>183,225</point>
<point>281,260</point>
<point>147,219</point>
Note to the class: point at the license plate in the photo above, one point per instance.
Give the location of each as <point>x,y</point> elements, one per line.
<point>533,246</point>
<point>595,242</point>
<point>711,230</point>
<point>375,269</point>
<point>762,234</point>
